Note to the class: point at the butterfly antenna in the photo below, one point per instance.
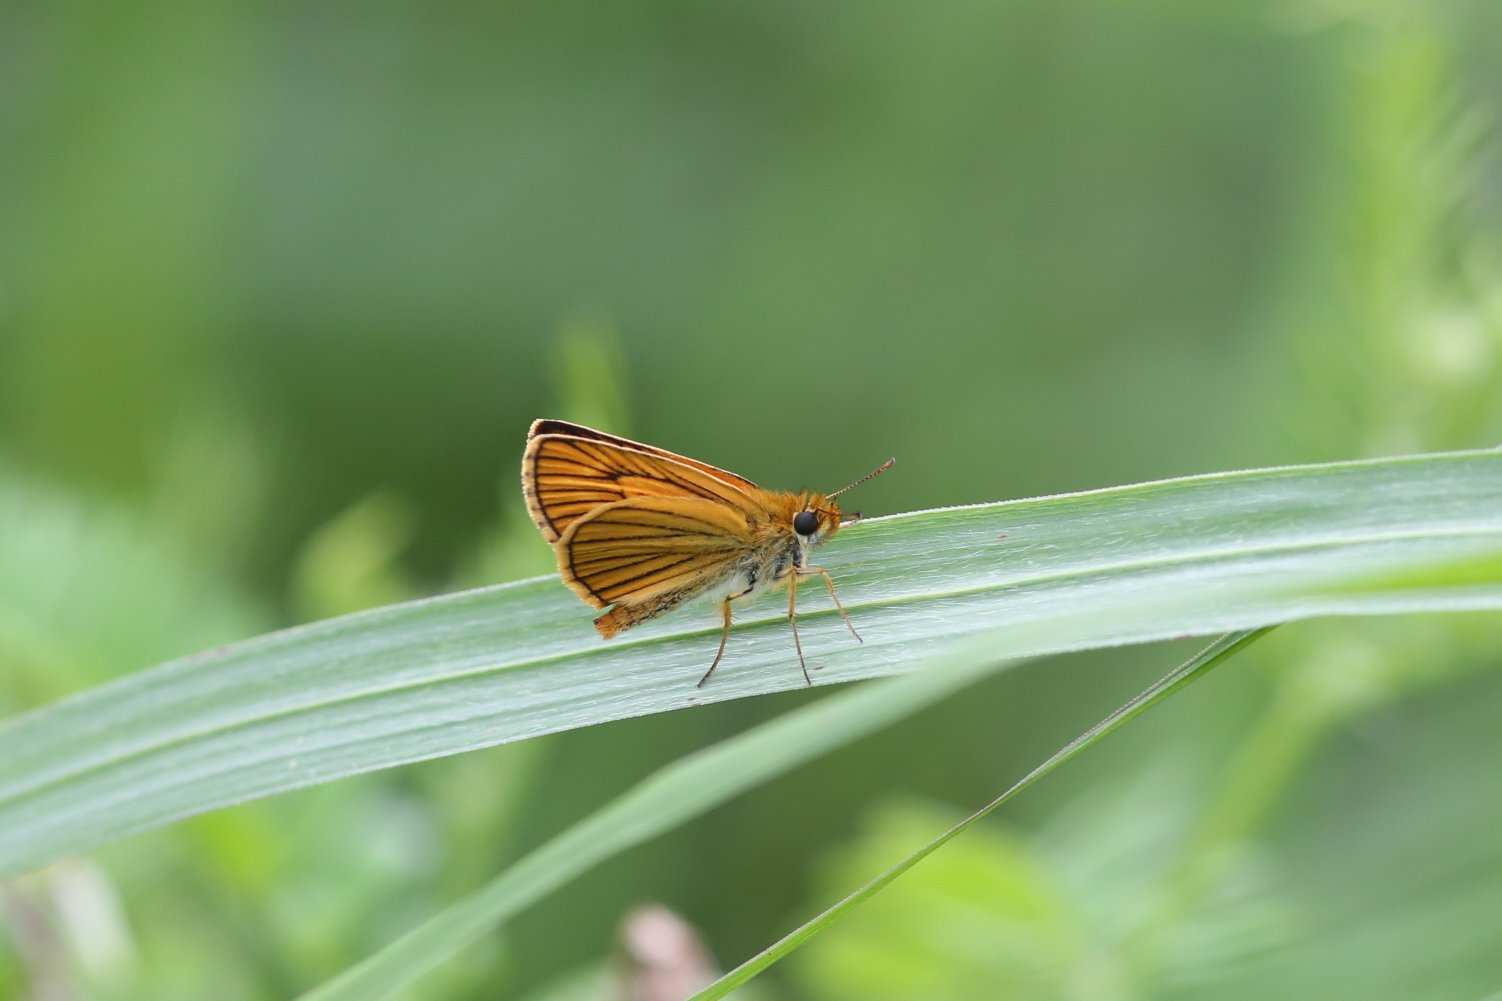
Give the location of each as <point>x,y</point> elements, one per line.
<point>877,471</point>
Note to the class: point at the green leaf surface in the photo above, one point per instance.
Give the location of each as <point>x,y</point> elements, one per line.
<point>665,799</point>
<point>1196,556</point>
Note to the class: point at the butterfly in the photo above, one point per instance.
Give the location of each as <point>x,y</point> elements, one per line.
<point>639,530</point>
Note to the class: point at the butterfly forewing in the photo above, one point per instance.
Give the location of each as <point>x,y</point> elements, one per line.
<point>633,550</point>
<point>549,426</point>
<point>567,475</point>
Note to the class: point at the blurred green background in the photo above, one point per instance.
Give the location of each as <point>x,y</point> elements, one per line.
<point>282,285</point>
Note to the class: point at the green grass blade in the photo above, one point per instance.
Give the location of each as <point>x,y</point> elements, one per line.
<point>680,791</point>
<point>1197,556</point>
<point>1195,668</point>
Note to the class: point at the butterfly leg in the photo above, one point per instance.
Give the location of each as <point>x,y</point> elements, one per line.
<point>829,583</point>
<point>724,634</point>
<point>792,579</point>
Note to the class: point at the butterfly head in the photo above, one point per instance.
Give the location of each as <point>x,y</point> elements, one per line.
<point>817,518</point>
<point>818,515</point>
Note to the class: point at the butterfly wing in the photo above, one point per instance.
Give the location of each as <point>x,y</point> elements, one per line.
<point>646,554</point>
<point>549,426</point>
<point>569,470</point>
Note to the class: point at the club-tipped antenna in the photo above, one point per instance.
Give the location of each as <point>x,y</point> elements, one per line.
<point>875,472</point>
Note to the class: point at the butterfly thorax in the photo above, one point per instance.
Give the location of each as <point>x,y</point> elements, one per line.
<point>776,548</point>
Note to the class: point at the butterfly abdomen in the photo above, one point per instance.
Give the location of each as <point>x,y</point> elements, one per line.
<point>623,616</point>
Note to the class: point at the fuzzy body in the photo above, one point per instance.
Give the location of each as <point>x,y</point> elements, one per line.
<point>770,552</point>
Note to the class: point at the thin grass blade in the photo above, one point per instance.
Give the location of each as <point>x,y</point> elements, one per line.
<point>1207,659</point>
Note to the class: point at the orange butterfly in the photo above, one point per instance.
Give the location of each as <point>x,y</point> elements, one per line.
<point>642,530</point>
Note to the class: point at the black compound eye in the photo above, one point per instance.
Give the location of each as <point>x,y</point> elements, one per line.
<point>805,523</point>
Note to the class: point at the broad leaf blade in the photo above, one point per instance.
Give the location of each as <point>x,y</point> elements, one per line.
<point>1197,556</point>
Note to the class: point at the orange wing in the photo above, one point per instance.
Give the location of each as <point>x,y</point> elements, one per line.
<point>651,551</point>
<point>569,470</point>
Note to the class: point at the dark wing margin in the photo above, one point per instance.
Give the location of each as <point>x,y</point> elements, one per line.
<point>547,425</point>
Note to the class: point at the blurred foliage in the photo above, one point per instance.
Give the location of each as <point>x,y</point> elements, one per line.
<point>589,379</point>
<point>88,590</point>
<point>1003,916</point>
<point>282,285</point>
<point>352,562</point>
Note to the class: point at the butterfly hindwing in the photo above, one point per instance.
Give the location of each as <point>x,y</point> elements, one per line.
<point>636,550</point>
